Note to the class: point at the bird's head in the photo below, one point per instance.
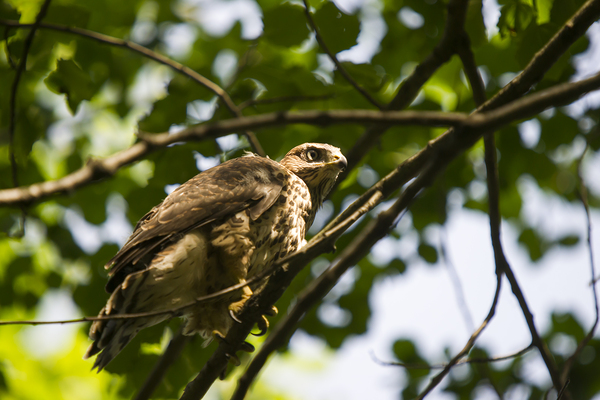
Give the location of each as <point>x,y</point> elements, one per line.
<point>318,165</point>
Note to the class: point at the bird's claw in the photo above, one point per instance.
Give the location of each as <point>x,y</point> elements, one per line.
<point>234,317</point>
<point>263,325</point>
<point>263,322</point>
<point>219,336</point>
<point>247,347</point>
<point>272,311</point>
<point>233,359</point>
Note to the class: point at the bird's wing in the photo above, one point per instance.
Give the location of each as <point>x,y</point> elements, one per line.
<point>252,183</point>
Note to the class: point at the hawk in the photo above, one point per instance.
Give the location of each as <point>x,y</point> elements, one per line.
<point>220,228</point>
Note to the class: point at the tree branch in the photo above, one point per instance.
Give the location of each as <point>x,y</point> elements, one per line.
<point>461,362</point>
<point>152,55</point>
<point>333,58</point>
<point>518,109</point>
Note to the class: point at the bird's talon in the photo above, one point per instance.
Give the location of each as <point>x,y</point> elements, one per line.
<point>233,317</point>
<point>263,325</point>
<point>232,358</point>
<point>272,311</point>
<point>247,347</point>
<point>219,336</point>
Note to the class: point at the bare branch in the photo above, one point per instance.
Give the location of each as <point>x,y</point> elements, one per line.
<point>161,59</point>
<point>459,292</point>
<point>461,362</point>
<point>333,58</point>
<point>479,92</point>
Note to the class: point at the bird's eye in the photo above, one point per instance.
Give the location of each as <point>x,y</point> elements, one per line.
<point>312,154</point>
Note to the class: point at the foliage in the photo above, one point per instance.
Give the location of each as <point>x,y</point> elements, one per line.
<point>80,99</point>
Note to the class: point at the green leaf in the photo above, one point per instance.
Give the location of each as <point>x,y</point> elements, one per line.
<point>338,30</point>
<point>72,81</point>
<point>429,253</point>
<point>569,241</point>
<point>543,10</point>
<point>533,243</point>
<point>285,25</point>
<point>515,16</point>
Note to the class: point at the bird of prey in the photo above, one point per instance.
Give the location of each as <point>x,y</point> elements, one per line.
<point>220,228</point>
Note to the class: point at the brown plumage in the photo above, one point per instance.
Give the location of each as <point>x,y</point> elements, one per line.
<point>218,229</point>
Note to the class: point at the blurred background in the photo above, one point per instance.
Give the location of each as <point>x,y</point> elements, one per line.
<point>422,290</point>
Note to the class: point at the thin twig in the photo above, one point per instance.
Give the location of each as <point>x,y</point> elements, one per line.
<point>337,63</point>
<point>175,311</point>
<point>583,196</point>
<point>12,124</point>
<point>563,390</point>
<point>460,362</point>
<point>456,283</point>
<point>161,59</point>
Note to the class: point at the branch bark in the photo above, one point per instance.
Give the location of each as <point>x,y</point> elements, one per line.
<point>522,108</point>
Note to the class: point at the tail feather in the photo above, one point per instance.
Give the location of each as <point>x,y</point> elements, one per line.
<point>111,336</point>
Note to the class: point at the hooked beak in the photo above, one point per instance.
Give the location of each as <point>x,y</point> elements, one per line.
<point>340,161</point>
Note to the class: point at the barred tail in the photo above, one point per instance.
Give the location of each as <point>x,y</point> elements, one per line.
<point>111,336</point>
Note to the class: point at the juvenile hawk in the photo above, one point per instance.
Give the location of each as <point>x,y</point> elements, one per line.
<point>218,229</point>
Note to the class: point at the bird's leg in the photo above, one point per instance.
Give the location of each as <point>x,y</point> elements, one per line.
<point>235,307</point>
<point>263,322</point>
